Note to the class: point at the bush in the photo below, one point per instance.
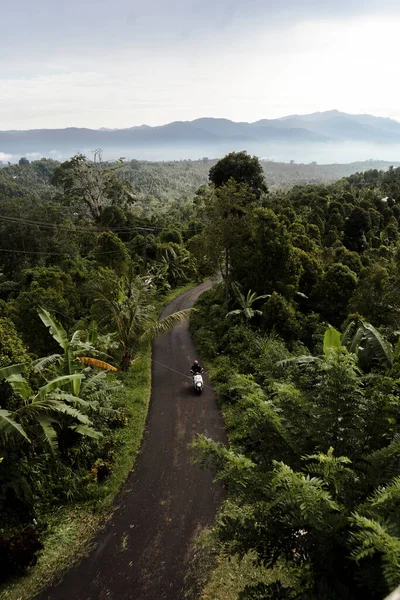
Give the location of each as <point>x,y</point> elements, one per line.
<point>264,591</point>
<point>19,552</point>
<point>280,316</point>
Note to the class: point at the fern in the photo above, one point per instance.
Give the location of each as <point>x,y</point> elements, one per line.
<point>371,537</point>
<point>333,469</point>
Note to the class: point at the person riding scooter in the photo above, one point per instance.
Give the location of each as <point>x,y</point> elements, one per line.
<point>196,368</point>
<point>197,371</point>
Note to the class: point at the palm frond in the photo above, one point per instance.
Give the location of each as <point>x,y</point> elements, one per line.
<point>165,325</point>
<point>61,396</point>
<point>63,408</point>
<point>91,382</point>
<point>298,360</point>
<point>105,411</point>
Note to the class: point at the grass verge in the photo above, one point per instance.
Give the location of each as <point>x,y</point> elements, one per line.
<point>71,528</point>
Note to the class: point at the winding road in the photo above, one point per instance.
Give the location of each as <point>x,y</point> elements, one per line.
<point>145,549</point>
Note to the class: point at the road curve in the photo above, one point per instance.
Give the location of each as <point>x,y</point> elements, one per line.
<point>144,551</point>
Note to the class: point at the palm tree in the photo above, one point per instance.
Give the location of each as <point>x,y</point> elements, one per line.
<point>126,306</point>
<point>171,268</point>
<point>246,303</point>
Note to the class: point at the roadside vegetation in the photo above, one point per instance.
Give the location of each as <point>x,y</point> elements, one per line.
<point>302,342</point>
<point>82,283</point>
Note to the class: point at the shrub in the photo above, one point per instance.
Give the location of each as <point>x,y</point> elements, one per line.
<point>19,552</point>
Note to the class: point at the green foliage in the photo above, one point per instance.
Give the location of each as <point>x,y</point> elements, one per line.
<point>371,348</point>
<point>280,316</point>
<point>331,339</point>
<point>111,252</point>
<point>125,306</point>
<point>89,187</point>
<point>243,169</point>
<point>312,464</point>
<point>304,454</point>
<point>334,292</point>
<point>12,349</point>
<point>246,303</point>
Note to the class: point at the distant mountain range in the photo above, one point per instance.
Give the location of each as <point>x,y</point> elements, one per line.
<point>297,134</point>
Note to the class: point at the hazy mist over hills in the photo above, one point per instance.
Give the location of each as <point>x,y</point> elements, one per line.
<point>330,136</point>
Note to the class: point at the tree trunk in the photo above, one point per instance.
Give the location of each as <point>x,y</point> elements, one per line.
<point>126,359</point>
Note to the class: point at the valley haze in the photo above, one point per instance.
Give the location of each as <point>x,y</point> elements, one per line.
<point>330,136</point>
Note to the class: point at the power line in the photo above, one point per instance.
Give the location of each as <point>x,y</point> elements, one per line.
<point>63,253</point>
<point>76,228</point>
<point>79,228</point>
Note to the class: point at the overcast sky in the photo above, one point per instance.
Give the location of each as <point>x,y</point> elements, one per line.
<point>97,63</point>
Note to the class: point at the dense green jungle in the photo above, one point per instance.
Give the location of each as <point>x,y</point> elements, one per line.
<point>300,337</point>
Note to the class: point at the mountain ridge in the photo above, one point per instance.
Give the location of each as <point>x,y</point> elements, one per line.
<point>210,136</point>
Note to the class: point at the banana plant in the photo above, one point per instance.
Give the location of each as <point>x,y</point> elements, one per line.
<point>359,338</point>
<point>42,410</point>
<point>72,351</point>
<point>366,341</point>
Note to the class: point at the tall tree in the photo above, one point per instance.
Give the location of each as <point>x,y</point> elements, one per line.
<point>243,169</point>
<point>91,184</point>
<point>226,215</point>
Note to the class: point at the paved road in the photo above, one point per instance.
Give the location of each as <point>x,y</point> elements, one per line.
<point>143,552</point>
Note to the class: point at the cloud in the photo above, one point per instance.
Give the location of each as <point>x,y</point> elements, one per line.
<point>242,74</point>
<point>64,28</point>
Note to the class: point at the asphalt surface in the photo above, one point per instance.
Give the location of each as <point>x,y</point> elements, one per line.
<point>144,551</point>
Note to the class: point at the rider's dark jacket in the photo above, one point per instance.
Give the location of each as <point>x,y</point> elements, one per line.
<point>196,369</point>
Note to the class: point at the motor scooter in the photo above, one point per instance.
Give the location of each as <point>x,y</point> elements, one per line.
<point>198,382</point>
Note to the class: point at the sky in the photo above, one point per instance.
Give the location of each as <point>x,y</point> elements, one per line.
<point>97,63</point>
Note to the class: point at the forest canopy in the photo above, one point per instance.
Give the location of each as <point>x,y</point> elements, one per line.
<point>301,336</point>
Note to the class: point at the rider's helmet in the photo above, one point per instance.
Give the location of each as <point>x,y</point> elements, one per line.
<point>196,362</point>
